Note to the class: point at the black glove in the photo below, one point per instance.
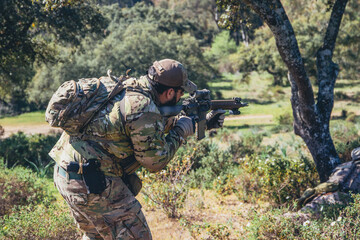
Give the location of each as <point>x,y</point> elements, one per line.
<point>185,126</point>
<point>215,119</point>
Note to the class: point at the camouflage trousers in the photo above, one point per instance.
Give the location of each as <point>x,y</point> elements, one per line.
<point>114,214</point>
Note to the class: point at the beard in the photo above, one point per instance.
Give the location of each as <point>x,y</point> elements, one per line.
<point>171,102</point>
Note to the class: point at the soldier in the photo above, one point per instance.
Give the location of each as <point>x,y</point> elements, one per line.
<point>127,133</point>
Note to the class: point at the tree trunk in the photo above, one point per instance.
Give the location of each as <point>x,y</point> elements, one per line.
<point>311,120</point>
<point>316,135</point>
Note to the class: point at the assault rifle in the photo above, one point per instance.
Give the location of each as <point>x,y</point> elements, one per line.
<point>197,106</point>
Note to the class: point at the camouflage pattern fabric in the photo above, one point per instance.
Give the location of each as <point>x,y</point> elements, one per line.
<point>143,136</point>
<point>74,103</point>
<point>114,214</point>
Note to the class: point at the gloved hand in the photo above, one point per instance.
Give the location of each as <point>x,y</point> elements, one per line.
<point>185,126</point>
<point>215,119</point>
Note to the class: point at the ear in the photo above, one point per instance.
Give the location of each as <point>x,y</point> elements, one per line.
<point>170,93</point>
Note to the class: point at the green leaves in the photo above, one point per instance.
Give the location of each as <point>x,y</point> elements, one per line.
<point>30,34</point>
<point>135,38</point>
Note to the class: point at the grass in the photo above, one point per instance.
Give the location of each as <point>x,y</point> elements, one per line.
<point>206,213</point>
<point>24,119</point>
<point>269,102</point>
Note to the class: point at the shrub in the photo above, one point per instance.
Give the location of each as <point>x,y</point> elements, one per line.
<point>274,175</point>
<point>277,92</point>
<point>284,122</point>
<point>13,149</point>
<point>20,186</point>
<point>285,118</point>
<point>351,117</point>
<point>169,187</point>
<point>39,222</point>
<point>221,48</point>
<point>206,230</point>
<point>339,95</point>
<point>345,139</point>
<point>274,224</point>
<point>247,145</point>
<point>210,163</point>
<point>28,151</point>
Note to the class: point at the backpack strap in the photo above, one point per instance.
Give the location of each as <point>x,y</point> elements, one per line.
<point>122,109</point>
<point>117,89</point>
<point>91,98</point>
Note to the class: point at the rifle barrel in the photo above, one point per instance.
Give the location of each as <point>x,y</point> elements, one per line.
<point>227,104</point>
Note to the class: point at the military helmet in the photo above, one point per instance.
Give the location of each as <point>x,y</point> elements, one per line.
<point>171,73</point>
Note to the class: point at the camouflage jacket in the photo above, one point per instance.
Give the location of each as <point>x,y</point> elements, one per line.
<point>141,141</point>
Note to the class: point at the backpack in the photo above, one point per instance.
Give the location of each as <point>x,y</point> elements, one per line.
<point>74,104</point>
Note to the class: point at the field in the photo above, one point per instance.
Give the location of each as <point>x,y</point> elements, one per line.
<point>239,179</point>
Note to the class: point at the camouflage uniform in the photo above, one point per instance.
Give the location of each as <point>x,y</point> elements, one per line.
<point>115,213</point>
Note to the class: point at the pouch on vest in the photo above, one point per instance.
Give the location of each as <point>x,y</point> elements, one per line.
<point>133,182</point>
<point>94,178</point>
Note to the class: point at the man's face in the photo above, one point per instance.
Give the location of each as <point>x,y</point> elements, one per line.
<point>176,98</point>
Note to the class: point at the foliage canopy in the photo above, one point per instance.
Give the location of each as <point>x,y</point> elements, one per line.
<point>135,38</point>
<point>29,33</point>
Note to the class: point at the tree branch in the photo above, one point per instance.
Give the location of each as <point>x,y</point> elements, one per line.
<point>334,24</point>
<point>273,13</point>
<point>327,69</point>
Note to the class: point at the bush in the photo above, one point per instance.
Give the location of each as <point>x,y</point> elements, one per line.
<point>169,187</point>
<point>39,222</point>
<point>210,163</point>
<point>285,118</point>
<point>284,122</point>
<point>339,95</point>
<point>28,151</point>
<point>247,145</point>
<point>345,139</point>
<point>206,230</point>
<point>20,186</point>
<point>221,48</point>
<point>277,93</point>
<point>351,117</point>
<point>274,175</point>
<point>274,224</point>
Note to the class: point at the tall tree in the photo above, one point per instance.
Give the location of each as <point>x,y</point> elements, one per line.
<point>29,33</point>
<point>136,37</point>
<point>240,20</point>
<point>200,13</point>
<point>311,118</point>
<point>309,21</point>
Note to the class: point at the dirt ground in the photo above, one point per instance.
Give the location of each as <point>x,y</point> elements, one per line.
<point>202,209</point>
<point>45,128</point>
<point>29,129</point>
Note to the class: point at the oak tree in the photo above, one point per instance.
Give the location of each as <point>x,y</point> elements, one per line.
<point>311,117</point>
